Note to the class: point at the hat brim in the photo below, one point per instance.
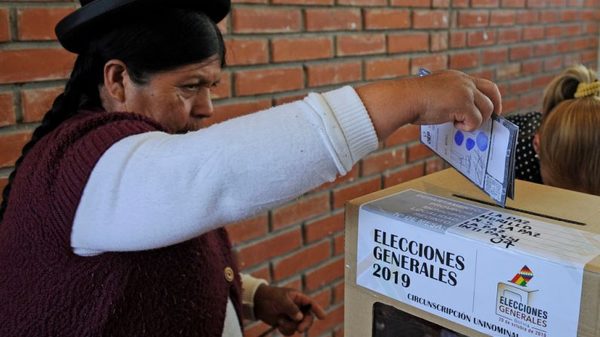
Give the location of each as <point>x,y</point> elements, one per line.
<point>73,30</point>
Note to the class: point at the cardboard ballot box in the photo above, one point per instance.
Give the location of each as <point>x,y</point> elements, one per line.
<point>435,257</point>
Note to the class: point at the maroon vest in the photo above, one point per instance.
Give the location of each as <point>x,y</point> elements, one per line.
<point>46,290</point>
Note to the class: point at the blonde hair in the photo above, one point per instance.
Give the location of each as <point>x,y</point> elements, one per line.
<point>569,135</point>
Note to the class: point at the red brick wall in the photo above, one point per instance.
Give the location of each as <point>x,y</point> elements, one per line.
<point>281,49</point>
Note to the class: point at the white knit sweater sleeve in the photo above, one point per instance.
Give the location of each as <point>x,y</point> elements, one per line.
<point>153,189</point>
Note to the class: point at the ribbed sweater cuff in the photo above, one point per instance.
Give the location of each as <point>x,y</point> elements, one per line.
<point>354,121</point>
<point>249,286</point>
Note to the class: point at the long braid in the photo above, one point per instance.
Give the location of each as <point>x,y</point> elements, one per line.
<point>78,92</point>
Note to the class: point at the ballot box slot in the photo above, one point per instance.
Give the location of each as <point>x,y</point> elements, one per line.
<point>521,210</point>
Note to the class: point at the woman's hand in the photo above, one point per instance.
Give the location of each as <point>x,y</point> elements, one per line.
<point>444,96</point>
<point>287,309</point>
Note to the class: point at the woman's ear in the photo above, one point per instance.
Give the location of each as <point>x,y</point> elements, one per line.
<point>536,144</point>
<point>115,75</point>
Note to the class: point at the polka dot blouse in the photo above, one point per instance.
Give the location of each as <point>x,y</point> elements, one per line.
<point>527,165</point>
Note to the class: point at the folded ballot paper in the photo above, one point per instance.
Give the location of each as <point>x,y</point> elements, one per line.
<point>485,156</point>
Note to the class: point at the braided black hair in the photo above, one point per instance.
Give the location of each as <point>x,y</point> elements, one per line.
<point>153,42</point>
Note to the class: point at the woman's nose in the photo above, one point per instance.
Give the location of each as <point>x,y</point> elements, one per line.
<point>202,106</point>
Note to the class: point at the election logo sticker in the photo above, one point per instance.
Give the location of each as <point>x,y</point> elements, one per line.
<point>516,303</point>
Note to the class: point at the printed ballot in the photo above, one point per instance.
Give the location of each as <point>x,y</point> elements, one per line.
<point>485,156</point>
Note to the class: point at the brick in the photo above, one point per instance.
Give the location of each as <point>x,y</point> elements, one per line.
<point>38,23</point>
<point>485,3</point>
<point>301,49</point>
<point>537,3</point>
<point>322,228</point>
<point>458,39</point>
<point>251,1</point>
<point>502,18</point>
<point>338,293</point>
<point>333,19</point>
<point>251,82</point>
<point>379,162</point>
<point>360,188</point>
<point>438,41</point>
<point>335,318</point>
<point>300,260</point>
<point>527,17</point>
<point>533,33</point>
<point>405,134</point>
<point>553,31</point>
<point>228,111</point>
<point>550,16</point>
<point>514,3</point>
<point>303,2</point>
<point>529,102</point>
<point>417,152</point>
<point>544,49</point>
<point>333,73</point>
<point>364,44</point>
<point>404,174</point>
<point>408,42</point>
<point>432,62</point>
<point>481,38</point>
<point>410,3</point>
<point>332,271</point>
<point>300,209</point>
<point>540,82</point>
<point>509,105</point>
<point>247,51</point>
<point>266,20</point>
<point>518,87</point>
<point>494,56</point>
<point>511,35</point>
<point>431,19</point>
<point>464,60</point>
<point>362,2</point>
<point>387,18</point>
<point>323,297</point>
<point>553,63</point>
<point>11,145</point>
<point>572,30</point>
<point>435,165</point>
<point>532,67</point>
<point>36,102</point>
<point>30,65</point>
<point>564,46</point>
<point>248,229</point>
<point>4,25</point>
<point>507,71</point>
<point>460,3</point>
<point>338,245</point>
<point>386,68</point>
<point>473,18</point>
<point>7,109</point>
<point>521,52</point>
<point>269,248</point>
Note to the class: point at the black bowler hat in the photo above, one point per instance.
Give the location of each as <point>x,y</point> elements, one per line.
<point>74,30</point>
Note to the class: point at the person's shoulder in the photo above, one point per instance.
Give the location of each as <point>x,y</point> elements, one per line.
<point>91,119</point>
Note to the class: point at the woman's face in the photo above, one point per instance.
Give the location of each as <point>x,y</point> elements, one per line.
<point>178,99</point>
